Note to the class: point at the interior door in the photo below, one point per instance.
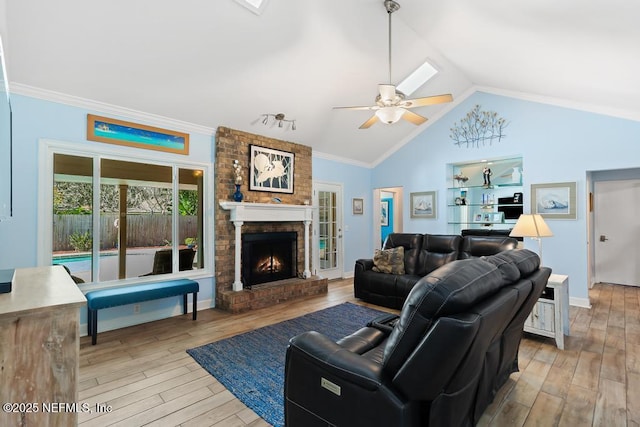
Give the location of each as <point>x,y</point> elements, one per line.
<point>328,226</point>
<point>616,227</point>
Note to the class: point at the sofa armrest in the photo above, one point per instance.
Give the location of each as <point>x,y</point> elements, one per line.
<point>336,360</point>
<point>364,264</point>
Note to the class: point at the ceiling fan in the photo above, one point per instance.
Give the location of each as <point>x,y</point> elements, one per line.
<point>391,104</point>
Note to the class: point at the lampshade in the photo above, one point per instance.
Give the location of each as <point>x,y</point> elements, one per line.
<point>389,115</point>
<point>531,225</point>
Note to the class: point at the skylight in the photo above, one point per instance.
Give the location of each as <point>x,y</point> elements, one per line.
<point>416,79</point>
<point>256,6</point>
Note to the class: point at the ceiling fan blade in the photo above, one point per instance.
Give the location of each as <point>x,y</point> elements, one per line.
<point>387,92</point>
<point>356,108</point>
<point>368,123</point>
<point>414,118</point>
<point>429,100</point>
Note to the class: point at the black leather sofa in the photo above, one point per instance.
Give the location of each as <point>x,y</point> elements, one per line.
<point>440,363</point>
<point>423,253</point>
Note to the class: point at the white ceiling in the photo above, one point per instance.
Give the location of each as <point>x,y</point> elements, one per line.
<point>215,63</point>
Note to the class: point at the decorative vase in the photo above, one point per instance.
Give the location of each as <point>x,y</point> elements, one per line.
<point>237,196</point>
<point>516,175</point>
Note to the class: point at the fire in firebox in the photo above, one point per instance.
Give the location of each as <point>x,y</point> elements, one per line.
<point>269,265</point>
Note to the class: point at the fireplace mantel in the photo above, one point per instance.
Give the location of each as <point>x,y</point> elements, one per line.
<point>266,212</point>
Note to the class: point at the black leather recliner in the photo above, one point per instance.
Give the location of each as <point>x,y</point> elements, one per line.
<point>438,363</point>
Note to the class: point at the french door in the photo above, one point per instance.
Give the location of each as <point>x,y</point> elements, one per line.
<point>327,230</point>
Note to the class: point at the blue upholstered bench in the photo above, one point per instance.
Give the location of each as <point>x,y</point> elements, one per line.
<point>114,297</point>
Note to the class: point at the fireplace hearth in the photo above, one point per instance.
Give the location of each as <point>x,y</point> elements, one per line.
<point>267,257</point>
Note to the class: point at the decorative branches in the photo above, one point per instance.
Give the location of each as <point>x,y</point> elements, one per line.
<point>478,127</point>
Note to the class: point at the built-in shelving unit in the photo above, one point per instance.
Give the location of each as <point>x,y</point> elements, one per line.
<point>473,202</point>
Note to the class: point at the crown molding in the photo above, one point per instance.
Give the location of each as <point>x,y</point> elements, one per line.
<point>110,109</point>
<point>339,159</point>
<point>561,102</point>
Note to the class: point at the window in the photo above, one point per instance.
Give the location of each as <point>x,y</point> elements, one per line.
<point>148,218</point>
<point>417,78</point>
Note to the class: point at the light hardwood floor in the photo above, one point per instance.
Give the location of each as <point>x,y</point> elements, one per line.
<point>145,376</point>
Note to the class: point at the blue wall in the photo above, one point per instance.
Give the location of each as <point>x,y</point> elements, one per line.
<point>34,119</point>
<point>557,145</point>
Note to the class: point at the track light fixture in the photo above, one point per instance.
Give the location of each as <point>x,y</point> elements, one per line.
<point>278,119</point>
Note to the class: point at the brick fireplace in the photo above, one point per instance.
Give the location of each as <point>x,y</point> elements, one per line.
<point>235,145</point>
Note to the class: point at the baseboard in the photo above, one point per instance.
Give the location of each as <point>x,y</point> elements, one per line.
<point>580,302</point>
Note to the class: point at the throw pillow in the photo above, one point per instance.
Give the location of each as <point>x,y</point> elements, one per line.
<point>390,261</point>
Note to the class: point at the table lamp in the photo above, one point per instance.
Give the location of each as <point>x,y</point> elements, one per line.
<point>532,225</point>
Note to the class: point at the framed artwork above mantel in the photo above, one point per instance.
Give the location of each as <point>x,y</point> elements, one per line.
<point>270,170</point>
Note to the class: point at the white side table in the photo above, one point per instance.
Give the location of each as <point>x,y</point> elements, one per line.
<point>550,315</point>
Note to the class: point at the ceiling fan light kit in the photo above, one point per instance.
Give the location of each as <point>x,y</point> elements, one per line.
<point>391,105</point>
<point>389,115</point>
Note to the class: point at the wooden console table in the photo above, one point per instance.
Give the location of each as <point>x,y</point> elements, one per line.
<point>550,315</point>
<point>39,348</point>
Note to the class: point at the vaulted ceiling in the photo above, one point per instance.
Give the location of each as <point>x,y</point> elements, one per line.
<point>213,63</point>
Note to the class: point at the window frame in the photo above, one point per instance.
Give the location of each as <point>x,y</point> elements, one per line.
<point>47,149</point>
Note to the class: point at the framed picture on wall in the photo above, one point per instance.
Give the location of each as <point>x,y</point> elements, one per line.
<point>270,170</point>
<point>384,213</point>
<point>357,206</point>
<point>119,132</point>
<point>497,217</point>
<point>423,204</point>
<point>554,200</point>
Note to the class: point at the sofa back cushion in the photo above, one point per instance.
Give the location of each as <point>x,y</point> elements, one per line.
<point>450,290</point>
<point>477,246</point>
<point>525,260</point>
<point>437,250</point>
<point>486,232</point>
<point>411,243</point>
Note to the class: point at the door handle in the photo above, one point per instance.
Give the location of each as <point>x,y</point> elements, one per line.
<point>603,238</point>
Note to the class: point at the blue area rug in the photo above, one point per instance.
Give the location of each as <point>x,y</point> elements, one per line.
<point>251,365</point>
